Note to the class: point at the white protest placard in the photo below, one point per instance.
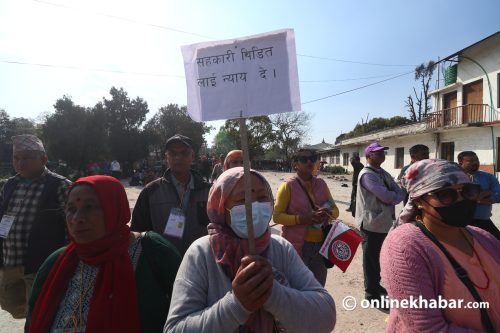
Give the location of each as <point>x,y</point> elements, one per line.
<point>244,77</point>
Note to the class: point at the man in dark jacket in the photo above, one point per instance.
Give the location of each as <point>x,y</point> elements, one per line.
<point>357,167</point>
<point>175,205</point>
<point>32,223</point>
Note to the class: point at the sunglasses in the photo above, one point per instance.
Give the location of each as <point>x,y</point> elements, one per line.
<point>304,159</point>
<point>450,195</point>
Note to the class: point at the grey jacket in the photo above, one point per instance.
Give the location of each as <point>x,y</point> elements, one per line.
<point>371,213</point>
<point>155,202</point>
<point>203,300</point>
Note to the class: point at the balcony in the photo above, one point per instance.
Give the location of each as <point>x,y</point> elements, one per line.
<point>460,115</point>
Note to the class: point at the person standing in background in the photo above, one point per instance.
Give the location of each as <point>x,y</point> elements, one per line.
<point>32,221</point>
<point>490,192</point>
<point>377,196</point>
<point>357,167</point>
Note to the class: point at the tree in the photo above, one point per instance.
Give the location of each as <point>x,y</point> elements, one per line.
<point>124,113</point>
<point>224,142</point>
<point>259,132</point>
<point>64,133</point>
<point>9,128</point>
<point>4,125</point>
<point>420,106</point>
<point>171,120</point>
<point>290,130</point>
<point>375,124</point>
<point>124,118</point>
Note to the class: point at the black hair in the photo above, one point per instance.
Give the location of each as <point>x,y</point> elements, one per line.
<point>417,148</point>
<point>295,156</point>
<point>466,153</point>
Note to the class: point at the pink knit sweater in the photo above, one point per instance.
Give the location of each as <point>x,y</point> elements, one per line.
<point>411,265</point>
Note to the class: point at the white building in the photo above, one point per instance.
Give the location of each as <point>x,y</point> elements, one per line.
<point>465,116</point>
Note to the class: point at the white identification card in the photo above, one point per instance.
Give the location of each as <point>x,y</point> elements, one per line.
<point>5,225</point>
<point>175,224</point>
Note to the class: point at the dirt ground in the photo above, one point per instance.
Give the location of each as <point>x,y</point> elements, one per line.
<point>339,285</point>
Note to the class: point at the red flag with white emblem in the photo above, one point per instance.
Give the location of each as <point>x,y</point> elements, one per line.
<point>340,245</point>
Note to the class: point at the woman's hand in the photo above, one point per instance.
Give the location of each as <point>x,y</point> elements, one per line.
<point>314,217</point>
<point>253,282</point>
<point>324,215</point>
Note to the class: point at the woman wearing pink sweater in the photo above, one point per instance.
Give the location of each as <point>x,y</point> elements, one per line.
<point>416,258</point>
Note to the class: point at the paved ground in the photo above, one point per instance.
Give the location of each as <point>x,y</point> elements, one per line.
<point>340,285</point>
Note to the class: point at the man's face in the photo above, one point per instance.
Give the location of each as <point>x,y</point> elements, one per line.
<point>376,157</point>
<point>420,155</point>
<point>470,163</point>
<point>30,163</point>
<point>179,157</point>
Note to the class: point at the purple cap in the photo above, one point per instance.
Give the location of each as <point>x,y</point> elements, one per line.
<point>374,147</point>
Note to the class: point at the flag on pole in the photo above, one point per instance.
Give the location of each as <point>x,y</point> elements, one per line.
<point>340,245</point>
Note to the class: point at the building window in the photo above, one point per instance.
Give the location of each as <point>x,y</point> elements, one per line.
<point>399,161</point>
<point>345,161</point>
<point>448,151</point>
<point>336,157</point>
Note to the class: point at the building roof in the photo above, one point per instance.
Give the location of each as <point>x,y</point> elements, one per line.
<point>318,146</point>
<point>470,46</point>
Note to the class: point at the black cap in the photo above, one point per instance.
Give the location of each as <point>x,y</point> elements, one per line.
<point>180,139</point>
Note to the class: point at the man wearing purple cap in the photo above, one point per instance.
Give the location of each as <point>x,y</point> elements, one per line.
<point>377,196</point>
<point>32,221</point>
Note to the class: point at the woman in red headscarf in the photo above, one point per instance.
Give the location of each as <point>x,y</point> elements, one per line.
<point>108,279</point>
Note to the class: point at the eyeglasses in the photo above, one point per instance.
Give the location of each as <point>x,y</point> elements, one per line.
<point>304,159</point>
<point>449,195</point>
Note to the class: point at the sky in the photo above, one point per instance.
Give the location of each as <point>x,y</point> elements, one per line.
<point>79,48</point>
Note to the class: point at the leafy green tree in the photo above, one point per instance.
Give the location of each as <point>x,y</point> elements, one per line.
<point>64,133</point>
<point>124,118</point>
<point>375,124</point>
<point>260,135</point>
<point>224,142</point>
<point>171,120</point>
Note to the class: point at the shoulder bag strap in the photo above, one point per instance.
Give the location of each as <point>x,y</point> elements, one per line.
<point>462,275</point>
<point>311,202</point>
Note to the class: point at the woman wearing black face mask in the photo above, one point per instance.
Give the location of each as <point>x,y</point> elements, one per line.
<point>436,257</point>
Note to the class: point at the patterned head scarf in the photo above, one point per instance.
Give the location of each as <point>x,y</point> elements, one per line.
<point>229,249</point>
<point>231,156</point>
<point>27,142</point>
<point>426,176</point>
<point>221,190</point>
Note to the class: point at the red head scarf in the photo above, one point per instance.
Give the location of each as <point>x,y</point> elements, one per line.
<point>113,306</point>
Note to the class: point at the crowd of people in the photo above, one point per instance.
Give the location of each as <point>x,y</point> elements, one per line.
<point>75,259</point>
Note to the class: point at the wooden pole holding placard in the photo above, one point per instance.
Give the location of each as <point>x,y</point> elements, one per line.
<point>248,184</point>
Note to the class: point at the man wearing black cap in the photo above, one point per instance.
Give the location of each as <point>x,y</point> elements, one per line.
<point>175,205</point>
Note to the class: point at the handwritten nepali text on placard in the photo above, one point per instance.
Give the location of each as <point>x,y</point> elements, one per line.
<point>246,77</point>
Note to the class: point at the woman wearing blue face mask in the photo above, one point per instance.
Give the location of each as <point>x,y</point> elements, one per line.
<point>221,288</point>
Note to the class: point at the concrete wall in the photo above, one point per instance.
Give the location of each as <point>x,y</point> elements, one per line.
<point>477,139</point>
<point>487,54</point>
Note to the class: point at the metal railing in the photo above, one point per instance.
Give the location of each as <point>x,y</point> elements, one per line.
<point>464,114</point>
